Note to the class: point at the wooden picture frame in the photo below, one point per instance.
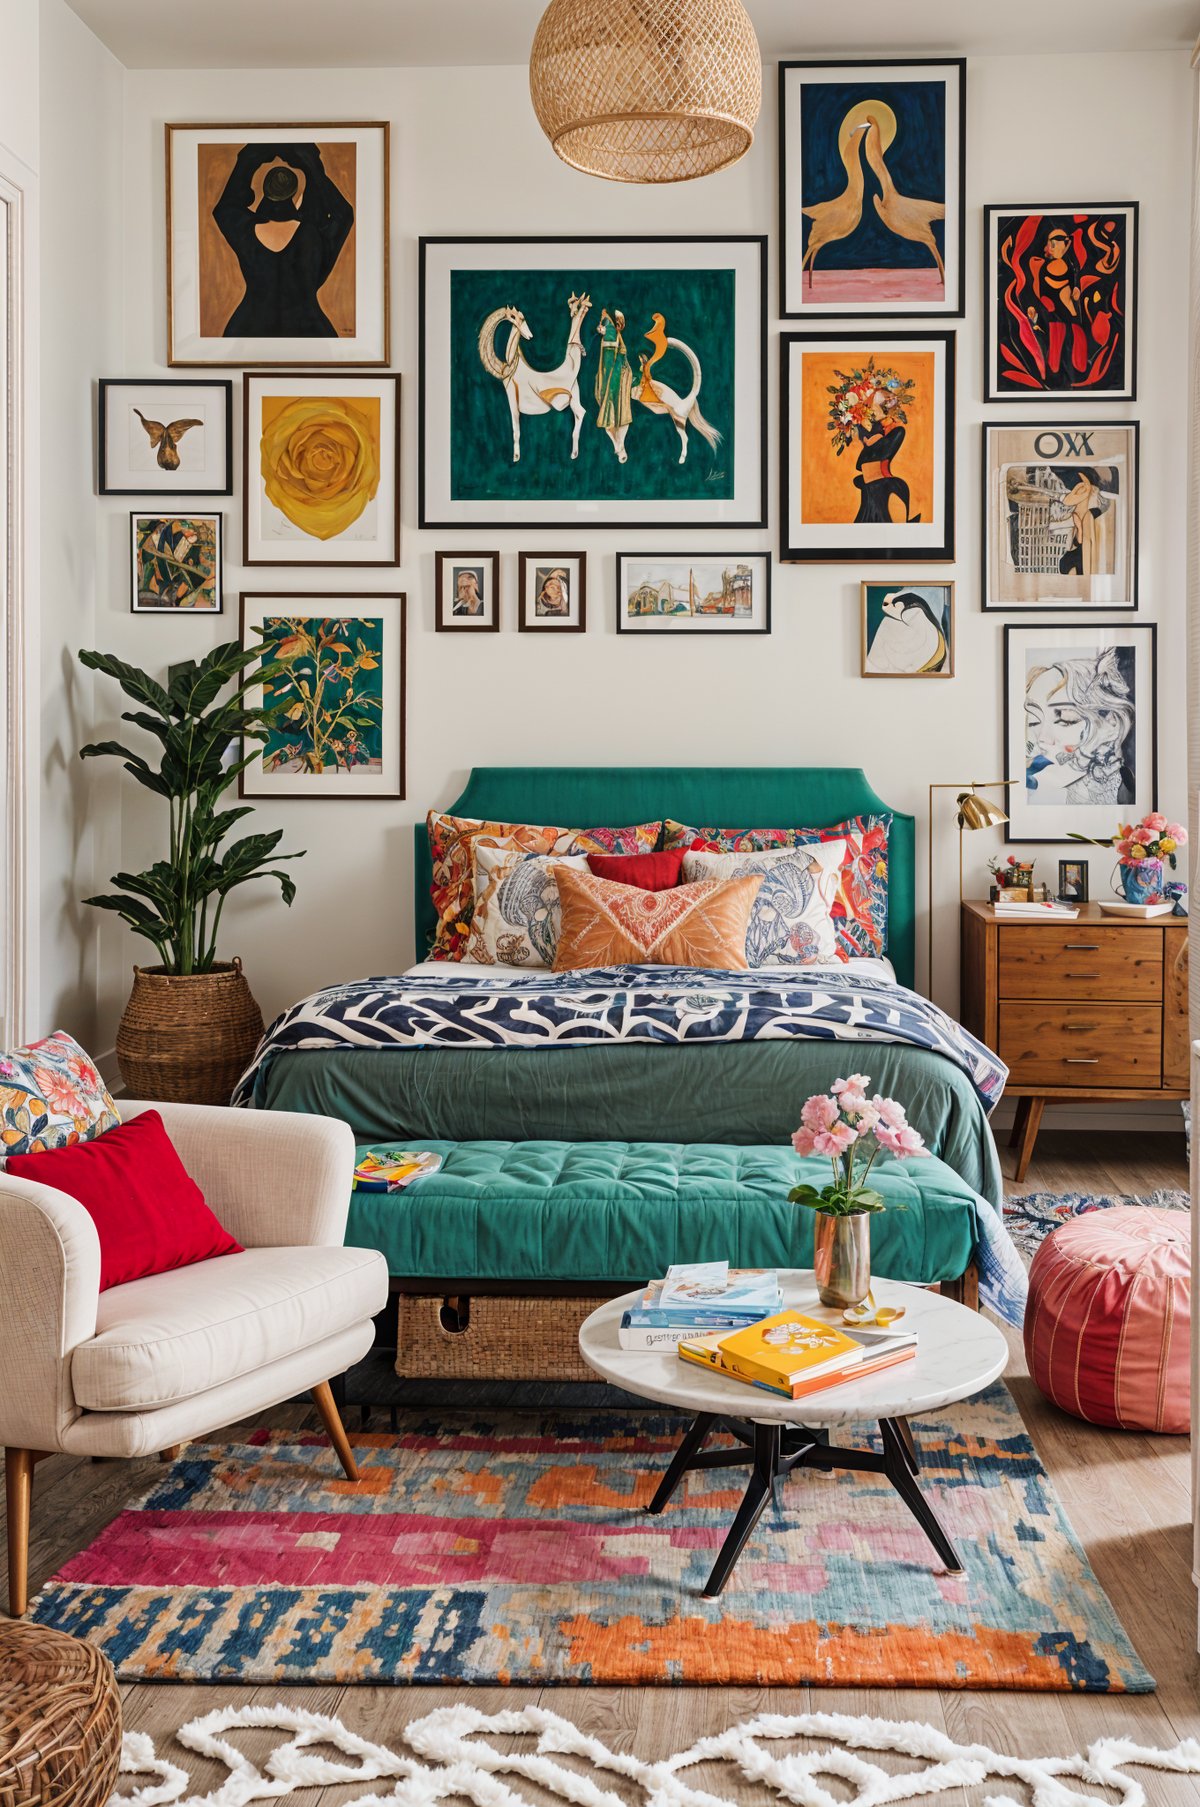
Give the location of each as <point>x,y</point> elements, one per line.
<point>1081,290</point>
<point>218,183</point>
<point>329,453</point>
<point>552,592</point>
<point>874,266</point>
<point>512,430</point>
<point>362,633</point>
<point>449,580</point>
<point>713,594</point>
<point>924,639</point>
<point>178,560</point>
<point>162,436</point>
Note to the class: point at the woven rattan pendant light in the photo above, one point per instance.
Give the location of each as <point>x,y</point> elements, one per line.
<point>646,90</point>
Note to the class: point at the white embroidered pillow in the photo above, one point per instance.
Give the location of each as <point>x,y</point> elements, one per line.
<point>517,915</point>
<point>792,921</point>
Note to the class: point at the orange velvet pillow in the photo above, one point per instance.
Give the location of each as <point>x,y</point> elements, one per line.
<point>605,923</point>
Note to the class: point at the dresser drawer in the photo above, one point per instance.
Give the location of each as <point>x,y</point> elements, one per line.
<point>1083,962</point>
<point>1084,1045</point>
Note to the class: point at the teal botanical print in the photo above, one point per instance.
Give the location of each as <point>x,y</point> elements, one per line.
<point>329,695</point>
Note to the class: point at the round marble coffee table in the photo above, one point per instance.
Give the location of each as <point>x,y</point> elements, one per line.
<point>958,1353</point>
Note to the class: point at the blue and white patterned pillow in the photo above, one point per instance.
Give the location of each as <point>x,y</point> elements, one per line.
<point>518,916</point>
<point>792,921</point>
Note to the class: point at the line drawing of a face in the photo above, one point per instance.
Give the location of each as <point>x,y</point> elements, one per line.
<point>1079,730</point>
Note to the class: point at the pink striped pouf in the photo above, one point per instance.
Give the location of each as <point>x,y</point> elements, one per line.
<point>1107,1328</point>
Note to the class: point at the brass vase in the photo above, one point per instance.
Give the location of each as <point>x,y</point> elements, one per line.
<point>842,1257</point>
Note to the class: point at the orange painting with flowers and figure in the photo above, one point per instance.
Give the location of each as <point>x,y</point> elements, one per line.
<point>867,437</point>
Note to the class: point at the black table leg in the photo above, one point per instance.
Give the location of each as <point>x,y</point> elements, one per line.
<point>759,1489</point>
<point>693,1441</point>
<point>898,1469</point>
<point>910,1447</point>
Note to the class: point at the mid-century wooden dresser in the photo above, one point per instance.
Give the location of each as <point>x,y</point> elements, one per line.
<point>1089,1009</point>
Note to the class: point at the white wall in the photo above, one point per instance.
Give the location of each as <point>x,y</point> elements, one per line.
<point>468,158</point>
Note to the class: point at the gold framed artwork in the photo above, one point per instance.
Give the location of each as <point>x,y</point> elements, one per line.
<point>277,243</point>
<point>552,592</point>
<point>320,469</point>
<point>467,587</point>
<point>908,629</point>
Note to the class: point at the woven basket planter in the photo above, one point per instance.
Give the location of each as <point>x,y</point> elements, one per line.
<point>60,1720</point>
<point>489,1338</point>
<point>187,1040</point>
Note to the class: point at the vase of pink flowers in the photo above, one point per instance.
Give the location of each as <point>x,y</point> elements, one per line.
<point>1144,850</point>
<point>851,1130</point>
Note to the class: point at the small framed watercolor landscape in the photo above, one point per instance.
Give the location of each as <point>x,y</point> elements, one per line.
<point>176,564</point>
<point>701,593</point>
<point>339,731</point>
<point>908,629</point>
<point>467,586</point>
<point>552,588</point>
<point>320,469</point>
<point>160,435</point>
<point>1060,515</point>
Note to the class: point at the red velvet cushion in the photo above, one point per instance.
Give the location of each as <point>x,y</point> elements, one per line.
<point>149,1214</point>
<point>648,871</point>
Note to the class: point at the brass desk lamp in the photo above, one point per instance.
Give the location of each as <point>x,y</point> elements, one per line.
<point>974,811</point>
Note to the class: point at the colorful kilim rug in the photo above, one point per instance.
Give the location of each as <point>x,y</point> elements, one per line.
<point>517,1550</point>
<point>1031,1217</point>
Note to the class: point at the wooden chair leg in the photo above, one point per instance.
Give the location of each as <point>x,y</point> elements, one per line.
<point>331,1418</point>
<point>18,1492</point>
<point>1029,1136</point>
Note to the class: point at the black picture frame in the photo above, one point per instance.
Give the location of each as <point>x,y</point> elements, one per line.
<point>1015,829</point>
<point>1019,394</point>
<point>105,384</point>
<point>1071,454</point>
<point>957,305</point>
<point>524,624</point>
<point>898,552</point>
<point>1081,894</point>
<point>709,558</point>
<point>555,519</point>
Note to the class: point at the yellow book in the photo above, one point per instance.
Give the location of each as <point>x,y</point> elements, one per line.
<point>788,1348</point>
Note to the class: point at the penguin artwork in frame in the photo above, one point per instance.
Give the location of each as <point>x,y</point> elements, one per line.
<point>908,629</point>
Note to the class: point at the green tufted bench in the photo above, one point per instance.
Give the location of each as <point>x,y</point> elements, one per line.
<point>589,1219</point>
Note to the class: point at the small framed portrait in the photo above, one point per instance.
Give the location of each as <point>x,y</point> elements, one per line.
<point>165,435</point>
<point>1073,881</point>
<point>175,564</point>
<point>704,593</point>
<point>552,587</point>
<point>908,629</point>
<point>468,592</point>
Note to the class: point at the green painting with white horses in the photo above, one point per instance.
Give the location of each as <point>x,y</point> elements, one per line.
<point>591,384</point>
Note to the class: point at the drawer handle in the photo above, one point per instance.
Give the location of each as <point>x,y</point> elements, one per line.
<point>1080,1028</point>
<point>1091,978</point>
<point>1082,947</point>
<point>1081,1060</point>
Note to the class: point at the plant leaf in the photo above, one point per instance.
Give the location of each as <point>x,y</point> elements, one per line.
<point>137,684</point>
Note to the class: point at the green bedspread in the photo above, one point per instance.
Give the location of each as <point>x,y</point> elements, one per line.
<point>741,1093</point>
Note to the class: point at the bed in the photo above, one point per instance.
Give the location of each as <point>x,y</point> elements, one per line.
<point>455,1056</point>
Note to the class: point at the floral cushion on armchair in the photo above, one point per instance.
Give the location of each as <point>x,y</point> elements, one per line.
<point>51,1096</point>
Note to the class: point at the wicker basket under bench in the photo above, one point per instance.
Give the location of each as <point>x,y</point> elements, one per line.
<point>463,1333</point>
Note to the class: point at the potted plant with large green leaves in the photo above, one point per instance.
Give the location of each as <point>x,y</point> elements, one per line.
<point>191,1024</point>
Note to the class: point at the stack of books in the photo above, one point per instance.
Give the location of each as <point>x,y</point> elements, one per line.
<point>392,1169</point>
<point>1051,910</point>
<point>793,1356</point>
<point>697,1297</point>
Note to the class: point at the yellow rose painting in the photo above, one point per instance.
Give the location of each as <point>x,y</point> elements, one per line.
<point>320,459</point>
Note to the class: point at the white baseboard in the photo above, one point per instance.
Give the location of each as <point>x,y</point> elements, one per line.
<point>110,1072</point>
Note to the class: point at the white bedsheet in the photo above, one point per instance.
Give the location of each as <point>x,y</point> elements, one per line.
<point>880,968</point>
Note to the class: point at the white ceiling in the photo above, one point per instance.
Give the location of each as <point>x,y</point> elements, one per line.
<point>303,34</point>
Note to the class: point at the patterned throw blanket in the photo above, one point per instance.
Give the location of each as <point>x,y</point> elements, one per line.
<point>468,1008</point>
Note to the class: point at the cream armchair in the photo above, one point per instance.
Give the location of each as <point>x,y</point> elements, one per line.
<point>141,1368</point>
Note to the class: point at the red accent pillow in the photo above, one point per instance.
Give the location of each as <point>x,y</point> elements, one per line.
<point>648,871</point>
<point>149,1214</point>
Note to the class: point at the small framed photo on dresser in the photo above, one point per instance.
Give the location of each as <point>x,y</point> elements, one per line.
<point>552,587</point>
<point>467,586</point>
<point>1073,881</point>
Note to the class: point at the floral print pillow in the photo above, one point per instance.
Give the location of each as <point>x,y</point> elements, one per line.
<point>452,843</point>
<point>51,1096</point>
<point>860,911</point>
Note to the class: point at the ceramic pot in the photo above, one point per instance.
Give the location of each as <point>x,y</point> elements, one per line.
<point>842,1258</point>
<point>187,1040</point>
<point>1142,883</point>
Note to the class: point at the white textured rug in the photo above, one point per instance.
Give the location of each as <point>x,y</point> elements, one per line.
<point>451,1756</point>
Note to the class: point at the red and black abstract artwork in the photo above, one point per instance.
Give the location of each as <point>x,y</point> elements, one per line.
<point>1060,287</point>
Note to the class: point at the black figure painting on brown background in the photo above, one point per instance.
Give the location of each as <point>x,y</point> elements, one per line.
<point>277,240</point>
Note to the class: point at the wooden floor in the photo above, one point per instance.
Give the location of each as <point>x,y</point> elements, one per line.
<point>1126,1495</point>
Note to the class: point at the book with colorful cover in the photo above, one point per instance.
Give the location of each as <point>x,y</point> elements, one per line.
<point>391,1169</point>
<point>700,1287</point>
<point>705,1351</point>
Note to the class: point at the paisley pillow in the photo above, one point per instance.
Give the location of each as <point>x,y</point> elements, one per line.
<point>791,923</point>
<point>860,912</point>
<point>452,843</point>
<point>605,923</point>
<point>517,914</point>
<point>51,1096</point>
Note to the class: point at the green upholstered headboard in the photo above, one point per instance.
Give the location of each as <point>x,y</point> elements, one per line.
<point>720,796</point>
